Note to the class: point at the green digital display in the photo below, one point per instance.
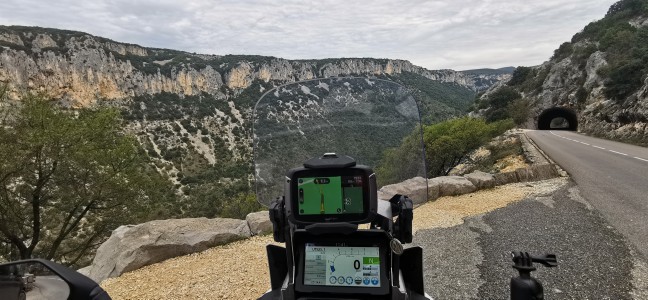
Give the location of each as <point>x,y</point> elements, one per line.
<point>330,195</point>
<point>342,266</point>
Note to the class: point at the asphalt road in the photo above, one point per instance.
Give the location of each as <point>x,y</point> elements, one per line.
<point>596,222</point>
<point>472,260</point>
<point>612,176</point>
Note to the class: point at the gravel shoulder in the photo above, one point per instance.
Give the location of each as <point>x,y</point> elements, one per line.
<point>234,271</point>
<point>239,270</point>
<point>472,260</point>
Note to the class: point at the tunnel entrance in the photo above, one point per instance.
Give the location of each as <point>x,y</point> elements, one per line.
<point>558,118</point>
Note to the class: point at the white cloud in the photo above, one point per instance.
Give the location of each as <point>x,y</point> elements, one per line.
<point>455,34</point>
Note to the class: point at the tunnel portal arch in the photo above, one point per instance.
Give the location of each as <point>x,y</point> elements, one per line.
<point>558,118</point>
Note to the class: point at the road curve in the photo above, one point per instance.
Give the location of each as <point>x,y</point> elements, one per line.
<point>612,176</point>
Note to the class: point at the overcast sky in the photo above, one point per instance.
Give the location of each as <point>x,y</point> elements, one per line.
<point>455,34</point>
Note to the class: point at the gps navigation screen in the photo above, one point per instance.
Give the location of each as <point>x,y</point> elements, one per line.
<point>342,266</point>
<point>330,195</point>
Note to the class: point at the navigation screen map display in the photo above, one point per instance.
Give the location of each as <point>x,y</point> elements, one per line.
<point>342,266</point>
<point>330,195</point>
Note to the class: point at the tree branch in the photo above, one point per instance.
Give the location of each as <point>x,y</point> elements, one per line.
<point>87,245</point>
<point>15,240</point>
<point>65,232</point>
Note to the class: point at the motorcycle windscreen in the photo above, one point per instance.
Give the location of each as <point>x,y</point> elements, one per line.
<point>375,121</point>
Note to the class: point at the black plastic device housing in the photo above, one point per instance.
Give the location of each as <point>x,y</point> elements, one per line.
<point>370,194</point>
<point>401,275</point>
<point>365,238</point>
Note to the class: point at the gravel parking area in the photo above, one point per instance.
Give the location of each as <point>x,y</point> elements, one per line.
<point>240,271</point>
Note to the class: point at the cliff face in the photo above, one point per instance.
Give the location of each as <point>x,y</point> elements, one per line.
<point>83,69</point>
<point>191,112</point>
<point>600,74</point>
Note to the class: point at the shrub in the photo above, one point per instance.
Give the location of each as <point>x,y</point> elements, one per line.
<point>240,206</point>
<point>518,111</point>
<point>498,103</point>
<point>520,75</point>
<point>447,144</point>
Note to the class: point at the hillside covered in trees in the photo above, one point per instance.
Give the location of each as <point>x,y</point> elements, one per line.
<point>601,74</point>
<point>189,116</point>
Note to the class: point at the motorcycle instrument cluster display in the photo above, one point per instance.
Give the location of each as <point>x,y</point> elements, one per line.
<point>330,195</point>
<point>342,266</point>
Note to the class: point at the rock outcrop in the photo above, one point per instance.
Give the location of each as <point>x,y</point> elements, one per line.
<point>259,222</point>
<point>131,247</point>
<point>82,68</point>
<point>602,79</point>
<point>415,188</point>
<point>481,180</point>
<point>187,108</point>
<point>454,185</point>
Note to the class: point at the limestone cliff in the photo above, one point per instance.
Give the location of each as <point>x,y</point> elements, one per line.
<point>191,112</point>
<point>600,74</point>
<point>84,68</point>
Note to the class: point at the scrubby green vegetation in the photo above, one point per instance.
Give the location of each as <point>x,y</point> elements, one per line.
<point>78,172</point>
<point>447,144</point>
<point>402,162</point>
<point>504,103</point>
<point>240,206</point>
<point>486,71</point>
<point>500,149</point>
<point>170,106</point>
<point>173,59</point>
<point>520,75</point>
<point>625,47</point>
<point>220,198</point>
<point>529,79</point>
<point>67,179</point>
<point>438,101</point>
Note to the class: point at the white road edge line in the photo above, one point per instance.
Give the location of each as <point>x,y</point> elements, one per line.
<point>598,147</point>
<point>618,152</point>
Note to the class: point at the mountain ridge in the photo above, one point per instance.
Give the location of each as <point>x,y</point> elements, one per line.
<point>600,74</point>
<point>38,51</point>
<point>192,112</point>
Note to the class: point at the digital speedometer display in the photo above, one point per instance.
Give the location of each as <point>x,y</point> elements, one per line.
<point>342,266</point>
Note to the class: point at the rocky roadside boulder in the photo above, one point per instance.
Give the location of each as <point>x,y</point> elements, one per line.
<point>415,188</point>
<point>259,222</point>
<point>524,174</point>
<point>506,178</point>
<point>545,171</point>
<point>481,180</point>
<point>434,189</point>
<point>453,185</point>
<point>85,270</point>
<point>131,247</point>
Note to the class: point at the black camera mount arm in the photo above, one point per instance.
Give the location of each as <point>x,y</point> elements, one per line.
<point>403,208</point>
<point>280,226</point>
<point>523,261</point>
<point>525,287</point>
